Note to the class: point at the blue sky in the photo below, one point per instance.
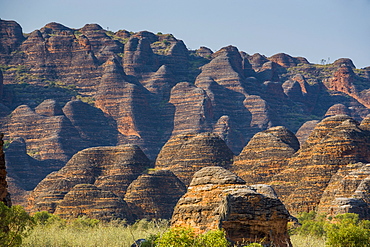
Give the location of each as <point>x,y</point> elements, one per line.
<point>315,29</point>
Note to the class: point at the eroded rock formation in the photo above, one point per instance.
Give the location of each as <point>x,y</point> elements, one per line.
<point>265,155</point>
<point>108,168</point>
<point>154,195</point>
<point>187,153</point>
<point>218,198</point>
<point>334,143</point>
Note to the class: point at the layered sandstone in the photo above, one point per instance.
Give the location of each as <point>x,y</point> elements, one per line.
<point>342,193</point>
<point>11,37</point>
<point>154,195</point>
<point>92,202</point>
<point>108,168</point>
<point>187,153</point>
<point>337,109</point>
<point>51,137</point>
<point>193,110</point>
<point>265,155</point>
<point>334,143</point>
<point>218,198</point>
<point>305,131</point>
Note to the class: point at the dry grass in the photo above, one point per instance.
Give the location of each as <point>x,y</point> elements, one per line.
<point>307,241</point>
<point>102,235</point>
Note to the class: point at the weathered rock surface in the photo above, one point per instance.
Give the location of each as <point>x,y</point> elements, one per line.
<point>93,202</point>
<point>154,195</point>
<point>128,105</point>
<point>218,198</point>
<point>169,90</point>
<point>108,168</point>
<point>138,56</point>
<point>284,60</point>
<point>91,123</point>
<point>337,109</point>
<point>341,196</point>
<point>193,110</point>
<point>187,153</point>
<point>265,155</point>
<point>11,37</point>
<point>305,130</point>
<point>334,143</point>
<point>51,137</point>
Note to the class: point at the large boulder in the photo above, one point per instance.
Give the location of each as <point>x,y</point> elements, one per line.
<point>218,198</point>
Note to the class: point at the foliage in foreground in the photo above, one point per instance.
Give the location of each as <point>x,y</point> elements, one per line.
<point>15,224</point>
<point>344,230</point>
<point>183,237</point>
<point>17,228</point>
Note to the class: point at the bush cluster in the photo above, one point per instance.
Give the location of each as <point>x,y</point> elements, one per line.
<point>344,230</point>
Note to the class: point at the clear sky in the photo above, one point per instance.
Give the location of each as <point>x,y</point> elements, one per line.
<point>314,29</point>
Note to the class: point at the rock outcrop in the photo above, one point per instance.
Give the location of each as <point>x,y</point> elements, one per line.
<point>337,109</point>
<point>305,130</point>
<point>187,153</point>
<point>265,155</point>
<point>154,195</point>
<point>11,37</point>
<point>93,202</point>
<point>145,89</point>
<point>345,192</point>
<point>334,143</point>
<point>193,110</point>
<point>47,137</point>
<point>108,168</point>
<point>218,198</point>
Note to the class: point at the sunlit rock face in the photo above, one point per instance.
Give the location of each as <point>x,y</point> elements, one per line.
<point>217,198</point>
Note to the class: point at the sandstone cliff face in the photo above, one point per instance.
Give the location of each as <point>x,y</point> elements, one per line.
<point>193,110</point>
<point>51,137</point>
<point>108,168</point>
<point>11,37</point>
<point>187,153</point>
<point>154,195</point>
<point>265,155</point>
<point>88,200</point>
<point>334,143</point>
<point>305,130</point>
<point>345,194</point>
<point>218,198</point>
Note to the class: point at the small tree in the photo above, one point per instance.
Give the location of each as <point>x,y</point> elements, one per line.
<point>348,232</point>
<point>14,224</point>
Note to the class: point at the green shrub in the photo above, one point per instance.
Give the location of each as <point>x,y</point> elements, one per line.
<point>254,245</point>
<point>14,225</point>
<point>84,222</point>
<point>348,232</point>
<point>215,238</point>
<point>46,218</point>
<point>183,237</point>
<point>312,224</point>
<point>179,237</point>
